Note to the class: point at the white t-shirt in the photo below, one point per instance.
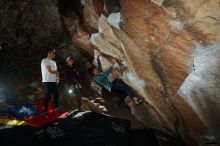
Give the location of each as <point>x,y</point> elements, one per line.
<point>46,75</point>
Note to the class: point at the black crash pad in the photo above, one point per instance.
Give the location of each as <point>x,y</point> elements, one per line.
<point>85,128</point>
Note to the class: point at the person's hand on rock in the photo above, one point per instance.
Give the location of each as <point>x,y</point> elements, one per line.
<point>113,61</point>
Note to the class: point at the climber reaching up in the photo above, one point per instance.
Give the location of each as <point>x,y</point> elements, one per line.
<point>116,85</point>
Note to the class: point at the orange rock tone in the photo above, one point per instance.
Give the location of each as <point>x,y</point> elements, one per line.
<point>167,51</point>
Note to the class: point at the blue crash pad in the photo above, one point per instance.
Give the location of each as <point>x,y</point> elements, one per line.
<point>24,111</point>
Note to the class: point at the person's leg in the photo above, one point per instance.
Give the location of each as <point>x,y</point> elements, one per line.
<point>120,86</point>
<point>67,97</point>
<point>47,96</point>
<point>55,95</point>
<point>78,98</point>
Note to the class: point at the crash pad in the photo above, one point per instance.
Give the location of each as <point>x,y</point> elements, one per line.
<point>24,111</point>
<point>40,119</point>
<point>80,128</point>
<point>86,128</point>
<point>13,122</point>
<point>18,135</point>
<point>34,114</point>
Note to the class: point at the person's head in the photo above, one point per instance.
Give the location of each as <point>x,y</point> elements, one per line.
<point>69,61</point>
<point>51,53</point>
<point>93,71</point>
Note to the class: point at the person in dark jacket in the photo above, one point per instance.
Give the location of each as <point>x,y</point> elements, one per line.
<point>101,78</point>
<point>72,86</point>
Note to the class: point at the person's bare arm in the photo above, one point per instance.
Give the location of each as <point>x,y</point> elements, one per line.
<point>52,71</point>
<point>113,61</point>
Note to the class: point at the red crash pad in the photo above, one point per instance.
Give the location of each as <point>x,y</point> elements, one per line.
<point>40,120</point>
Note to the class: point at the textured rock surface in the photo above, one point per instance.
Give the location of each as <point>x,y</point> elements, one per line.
<point>210,138</point>
<point>28,28</point>
<point>168,51</point>
<point>158,2</point>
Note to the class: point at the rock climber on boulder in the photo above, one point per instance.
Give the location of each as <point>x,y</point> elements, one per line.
<point>116,85</point>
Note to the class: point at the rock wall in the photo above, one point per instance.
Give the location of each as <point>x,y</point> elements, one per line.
<point>28,28</point>
<point>167,51</point>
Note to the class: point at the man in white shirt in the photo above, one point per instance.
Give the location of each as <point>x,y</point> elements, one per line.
<point>50,75</point>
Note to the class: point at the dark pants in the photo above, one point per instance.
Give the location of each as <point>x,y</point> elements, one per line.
<point>51,89</point>
<point>120,86</point>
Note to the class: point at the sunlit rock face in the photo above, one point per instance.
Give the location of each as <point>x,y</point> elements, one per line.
<point>167,51</point>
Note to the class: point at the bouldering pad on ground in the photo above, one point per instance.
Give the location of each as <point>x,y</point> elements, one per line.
<point>13,122</point>
<point>80,128</point>
<point>34,114</point>
<point>87,128</point>
<point>40,119</point>
<point>24,111</point>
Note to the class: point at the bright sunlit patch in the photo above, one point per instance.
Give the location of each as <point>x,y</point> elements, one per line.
<point>114,19</point>
<point>201,88</point>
